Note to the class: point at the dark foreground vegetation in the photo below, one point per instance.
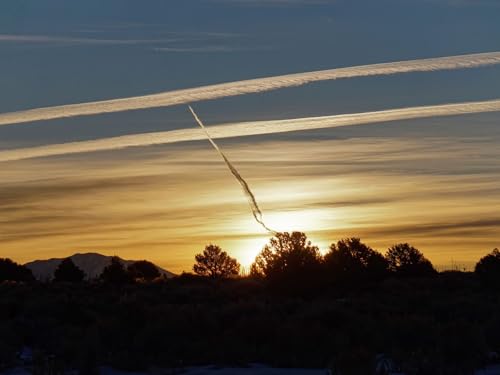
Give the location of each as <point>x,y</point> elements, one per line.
<point>296,309</point>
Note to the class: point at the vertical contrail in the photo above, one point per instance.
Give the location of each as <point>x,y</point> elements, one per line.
<point>257,213</point>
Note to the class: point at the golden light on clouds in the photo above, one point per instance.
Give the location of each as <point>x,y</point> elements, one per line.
<point>166,203</point>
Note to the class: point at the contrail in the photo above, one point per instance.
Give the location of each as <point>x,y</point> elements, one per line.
<point>171,98</point>
<point>251,128</point>
<point>257,213</point>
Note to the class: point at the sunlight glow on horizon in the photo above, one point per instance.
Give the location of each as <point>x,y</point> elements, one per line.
<point>305,220</point>
<point>153,207</point>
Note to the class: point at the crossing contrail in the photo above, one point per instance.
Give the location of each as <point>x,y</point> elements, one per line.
<point>257,213</point>
<point>251,128</point>
<point>171,98</point>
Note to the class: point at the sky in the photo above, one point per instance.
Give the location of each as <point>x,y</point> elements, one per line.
<point>432,182</point>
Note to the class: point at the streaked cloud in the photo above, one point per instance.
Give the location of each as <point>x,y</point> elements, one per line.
<point>168,203</point>
<point>251,128</point>
<point>66,40</point>
<point>204,49</point>
<point>223,90</point>
<point>165,40</point>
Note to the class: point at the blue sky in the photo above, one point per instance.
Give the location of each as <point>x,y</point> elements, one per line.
<point>178,44</point>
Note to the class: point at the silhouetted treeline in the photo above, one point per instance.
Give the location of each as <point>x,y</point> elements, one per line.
<point>339,311</point>
<point>287,258</point>
<point>68,272</point>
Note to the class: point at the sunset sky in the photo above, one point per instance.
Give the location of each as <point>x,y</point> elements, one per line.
<point>433,182</point>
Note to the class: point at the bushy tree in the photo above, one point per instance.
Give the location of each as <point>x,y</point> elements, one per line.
<point>67,271</point>
<point>115,273</point>
<point>287,255</point>
<point>215,263</point>
<point>488,269</point>
<point>11,271</point>
<point>351,259</point>
<point>143,270</point>
<point>405,260</point>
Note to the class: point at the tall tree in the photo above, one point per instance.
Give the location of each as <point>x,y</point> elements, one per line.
<point>351,259</point>
<point>115,273</point>
<point>67,271</point>
<point>286,256</point>
<point>215,263</point>
<point>488,269</point>
<point>405,260</point>
<point>143,270</point>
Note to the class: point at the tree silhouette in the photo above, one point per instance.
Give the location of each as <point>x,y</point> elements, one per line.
<point>115,272</point>
<point>488,269</point>
<point>11,271</point>
<point>405,260</point>
<point>143,270</point>
<point>67,271</point>
<point>215,263</point>
<point>350,259</point>
<point>287,255</point>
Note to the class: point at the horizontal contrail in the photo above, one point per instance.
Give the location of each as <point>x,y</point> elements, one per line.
<point>254,206</point>
<point>171,98</point>
<point>251,128</point>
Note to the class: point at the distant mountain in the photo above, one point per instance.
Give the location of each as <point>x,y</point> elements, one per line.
<point>91,263</point>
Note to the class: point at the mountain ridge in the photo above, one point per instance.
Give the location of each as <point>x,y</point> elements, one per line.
<point>91,263</point>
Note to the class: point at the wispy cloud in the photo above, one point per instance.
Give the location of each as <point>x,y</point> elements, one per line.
<point>171,98</point>
<point>165,40</point>
<point>67,40</point>
<point>205,49</point>
<point>252,128</point>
